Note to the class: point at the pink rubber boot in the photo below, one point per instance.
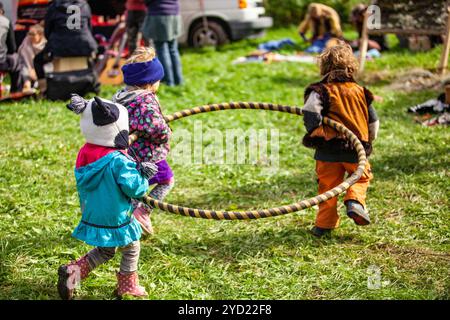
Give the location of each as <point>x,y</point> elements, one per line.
<point>70,276</point>
<point>128,284</point>
<point>142,215</point>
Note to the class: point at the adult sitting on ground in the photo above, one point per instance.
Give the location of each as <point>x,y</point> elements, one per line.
<point>324,22</point>
<point>9,59</point>
<point>64,37</point>
<point>32,45</point>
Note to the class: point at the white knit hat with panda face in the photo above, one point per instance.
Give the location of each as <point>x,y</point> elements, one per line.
<point>102,122</point>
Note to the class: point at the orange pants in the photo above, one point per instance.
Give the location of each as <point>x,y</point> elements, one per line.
<point>331,174</point>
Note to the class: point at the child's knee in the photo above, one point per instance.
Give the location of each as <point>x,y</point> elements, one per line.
<point>166,184</point>
<point>106,253</point>
<point>367,174</point>
<point>130,257</point>
<point>132,250</point>
<point>162,190</point>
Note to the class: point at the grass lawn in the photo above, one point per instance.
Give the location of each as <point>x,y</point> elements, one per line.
<point>275,258</point>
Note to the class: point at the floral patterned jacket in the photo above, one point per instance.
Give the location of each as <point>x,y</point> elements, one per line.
<point>145,116</point>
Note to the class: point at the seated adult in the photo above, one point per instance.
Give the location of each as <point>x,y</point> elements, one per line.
<point>32,45</point>
<point>324,22</point>
<point>9,60</point>
<point>64,37</point>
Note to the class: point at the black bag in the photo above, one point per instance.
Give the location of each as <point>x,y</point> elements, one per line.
<point>61,84</point>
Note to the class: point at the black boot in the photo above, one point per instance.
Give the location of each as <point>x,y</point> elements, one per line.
<point>320,232</point>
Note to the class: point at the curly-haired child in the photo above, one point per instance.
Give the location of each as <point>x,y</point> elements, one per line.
<point>142,75</point>
<point>107,179</point>
<point>338,97</point>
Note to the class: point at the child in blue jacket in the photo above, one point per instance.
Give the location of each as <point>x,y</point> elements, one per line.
<point>107,179</point>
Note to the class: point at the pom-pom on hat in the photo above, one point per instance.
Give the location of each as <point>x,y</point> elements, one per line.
<point>142,73</point>
<point>102,122</point>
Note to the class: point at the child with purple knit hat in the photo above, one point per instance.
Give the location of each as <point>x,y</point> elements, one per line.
<point>142,75</point>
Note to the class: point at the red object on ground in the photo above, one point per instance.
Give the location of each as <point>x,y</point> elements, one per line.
<point>17,96</point>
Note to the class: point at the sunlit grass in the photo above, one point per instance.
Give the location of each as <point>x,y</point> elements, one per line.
<point>265,259</point>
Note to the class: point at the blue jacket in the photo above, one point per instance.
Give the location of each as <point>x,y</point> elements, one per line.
<point>105,188</point>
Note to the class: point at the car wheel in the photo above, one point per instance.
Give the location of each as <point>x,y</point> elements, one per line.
<point>214,35</point>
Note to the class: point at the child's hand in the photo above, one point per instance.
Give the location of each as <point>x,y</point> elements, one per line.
<point>147,169</point>
<point>378,99</point>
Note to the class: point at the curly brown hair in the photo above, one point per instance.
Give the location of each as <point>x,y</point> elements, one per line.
<point>337,61</point>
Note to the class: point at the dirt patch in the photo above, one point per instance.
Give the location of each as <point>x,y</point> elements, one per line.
<point>419,266</point>
<point>412,258</point>
<point>416,80</point>
<point>405,251</point>
<point>408,81</point>
<point>376,77</point>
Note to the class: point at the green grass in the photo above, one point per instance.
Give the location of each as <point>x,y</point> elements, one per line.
<point>271,258</point>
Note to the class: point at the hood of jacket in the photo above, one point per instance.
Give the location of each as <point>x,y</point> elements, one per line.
<point>125,97</point>
<point>90,176</point>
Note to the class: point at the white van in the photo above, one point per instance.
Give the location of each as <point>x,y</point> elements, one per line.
<point>206,22</point>
<point>221,21</point>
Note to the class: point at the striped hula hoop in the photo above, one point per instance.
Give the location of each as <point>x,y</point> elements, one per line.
<point>263,213</point>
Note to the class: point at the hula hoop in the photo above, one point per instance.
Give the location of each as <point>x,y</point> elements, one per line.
<point>263,213</point>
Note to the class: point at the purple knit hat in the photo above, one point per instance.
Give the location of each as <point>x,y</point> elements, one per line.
<point>142,73</point>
